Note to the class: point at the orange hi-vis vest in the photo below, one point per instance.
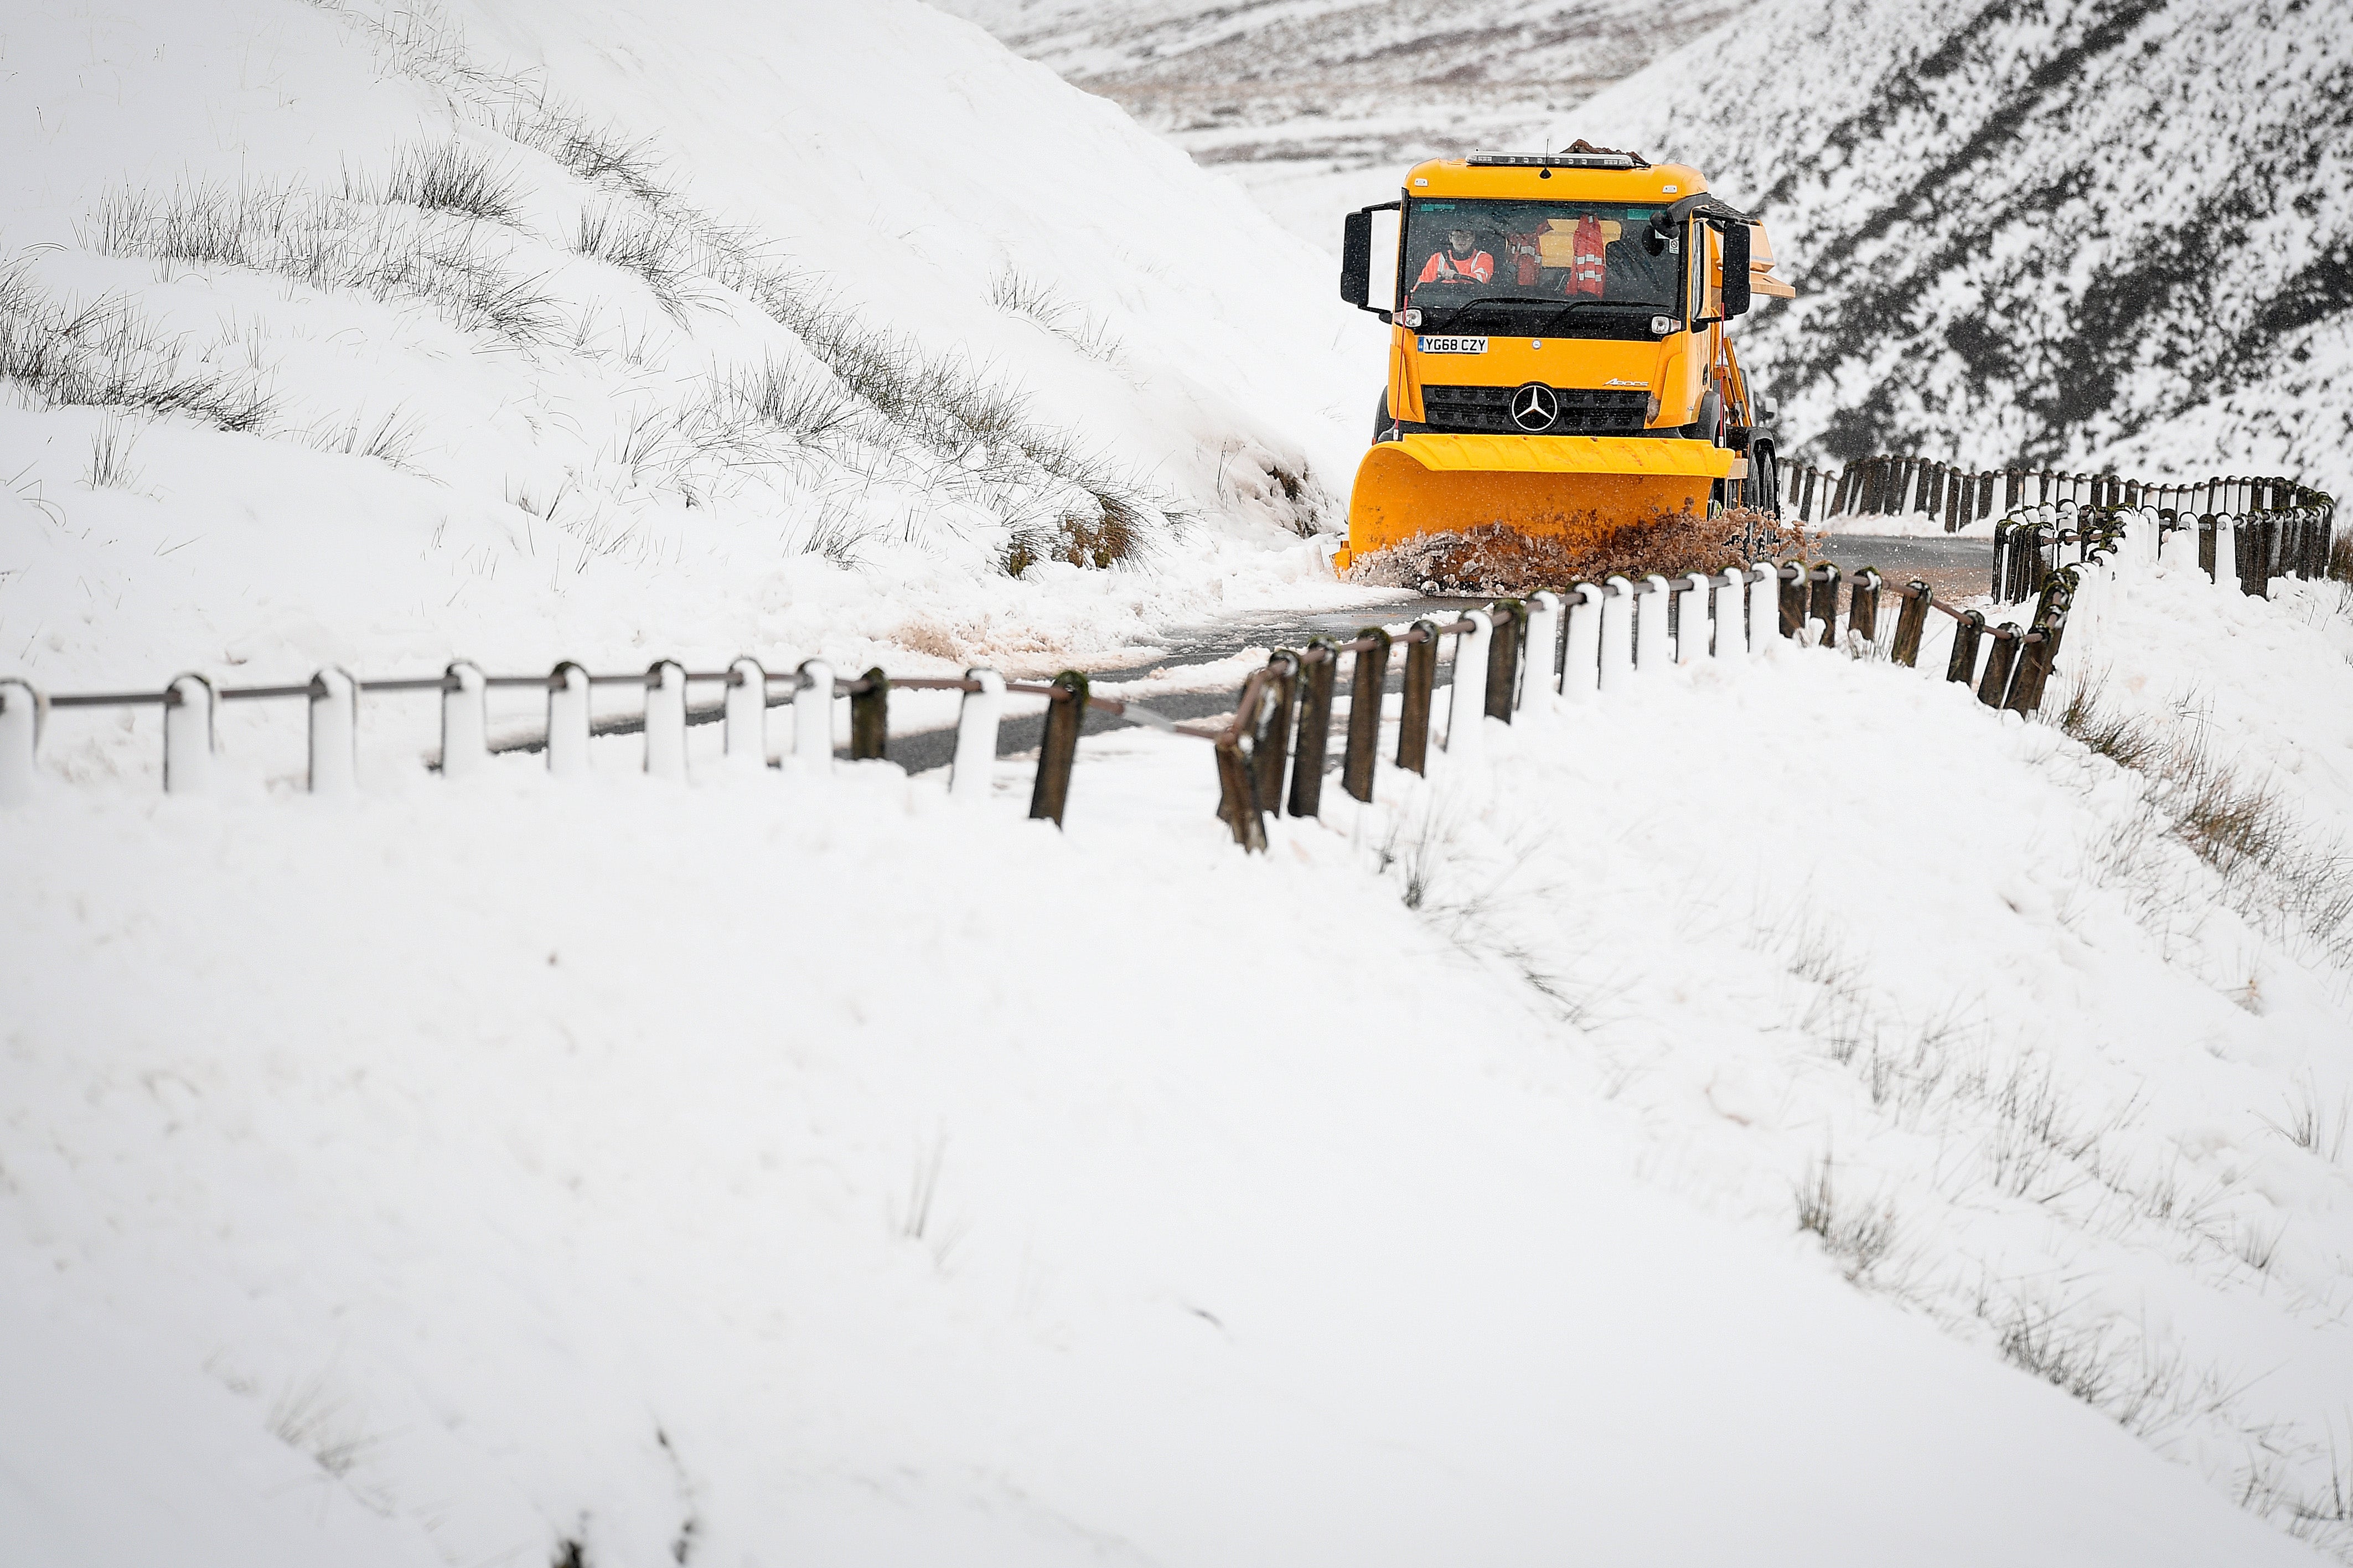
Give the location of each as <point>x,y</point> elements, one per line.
<point>1476,267</point>
<point>1587,272</point>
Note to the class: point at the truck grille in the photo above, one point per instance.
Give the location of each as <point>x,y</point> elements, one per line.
<point>1584,411</point>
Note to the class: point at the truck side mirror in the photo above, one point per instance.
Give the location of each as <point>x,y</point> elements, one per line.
<point>1735,269</point>
<point>1356,260</point>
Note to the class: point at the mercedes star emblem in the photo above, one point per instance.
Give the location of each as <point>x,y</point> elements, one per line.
<point>1533,406</point>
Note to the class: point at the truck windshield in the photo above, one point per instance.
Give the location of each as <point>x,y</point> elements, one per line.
<point>1567,269</point>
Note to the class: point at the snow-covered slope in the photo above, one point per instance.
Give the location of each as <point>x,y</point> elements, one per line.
<point>611,1171</point>
<point>533,329</point>
<point>2066,231</point>
<point>1317,106</point>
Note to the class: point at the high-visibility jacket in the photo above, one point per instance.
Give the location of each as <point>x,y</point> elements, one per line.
<point>1526,259</point>
<point>1476,267</point>
<point>1587,272</point>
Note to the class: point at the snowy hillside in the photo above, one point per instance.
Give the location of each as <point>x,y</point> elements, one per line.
<point>2071,232</point>
<point>1318,105</point>
<point>377,333</point>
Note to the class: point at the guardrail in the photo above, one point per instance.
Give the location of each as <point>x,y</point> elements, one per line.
<point>747,693</point>
<point>1271,755</point>
<point>1890,485</point>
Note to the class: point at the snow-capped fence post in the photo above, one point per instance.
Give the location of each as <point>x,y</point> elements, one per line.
<point>21,739</point>
<point>1911,621</point>
<point>1357,763</point>
<point>188,735</point>
<point>1824,608</point>
<point>1317,669</point>
<point>1267,761</point>
<point>869,717</point>
<point>1730,592</point>
<point>334,703</point>
<point>1237,802</point>
<point>746,717</point>
<point>1580,658</point>
<point>813,717</point>
<point>1540,648</point>
<point>1999,662</point>
<point>1617,661</point>
<point>1792,574</point>
<point>2224,546</point>
<point>1691,618</point>
<point>1653,649</point>
<point>666,718</point>
<point>2034,663</point>
<point>465,720</point>
<point>975,766</point>
<point>1420,695</point>
<point>567,721</point>
<point>1862,609</point>
<point>1466,694</point>
<point>1065,712</point>
<point>1962,666</point>
<point>1503,657</point>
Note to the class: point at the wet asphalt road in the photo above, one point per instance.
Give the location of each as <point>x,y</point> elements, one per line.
<point>1957,568</point>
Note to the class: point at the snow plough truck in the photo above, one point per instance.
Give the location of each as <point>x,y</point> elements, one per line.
<point>1558,364</point>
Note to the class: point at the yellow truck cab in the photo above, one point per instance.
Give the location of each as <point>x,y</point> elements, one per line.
<point>1558,356</point>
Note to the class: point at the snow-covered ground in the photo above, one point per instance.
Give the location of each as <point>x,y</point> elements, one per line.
<point>1705,1130</point>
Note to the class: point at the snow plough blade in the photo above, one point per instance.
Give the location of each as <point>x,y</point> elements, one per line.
<point>1572,489</point>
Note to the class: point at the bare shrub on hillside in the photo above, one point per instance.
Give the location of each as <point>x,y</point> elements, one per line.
<point>656,248</point>
<point>445,176</point>
<point>105,354</point>
<point>1017,295</point>
<point>109,455</point>
<point>1860,1237</point>
<point>389,440</point>
<point>454,264</point>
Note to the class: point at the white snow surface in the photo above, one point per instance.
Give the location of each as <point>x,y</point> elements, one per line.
<point>797,189</point>
<point>797,1168</point>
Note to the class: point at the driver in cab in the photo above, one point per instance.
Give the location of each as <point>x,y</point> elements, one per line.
<point>1460,262</point>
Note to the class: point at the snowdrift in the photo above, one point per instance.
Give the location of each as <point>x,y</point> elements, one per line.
<point>374,333</point>
<point>2072,235</point>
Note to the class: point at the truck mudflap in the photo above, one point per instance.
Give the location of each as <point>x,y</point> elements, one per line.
<point>1568,486</point>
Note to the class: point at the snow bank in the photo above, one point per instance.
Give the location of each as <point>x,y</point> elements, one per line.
<point>538,330</point>
<point>815,1169</point>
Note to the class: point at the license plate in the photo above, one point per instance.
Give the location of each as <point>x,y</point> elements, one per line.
<point>1454,345</point>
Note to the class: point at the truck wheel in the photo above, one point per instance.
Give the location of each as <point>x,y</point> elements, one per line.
<point>1711,415</point>
<point>1381,417</point>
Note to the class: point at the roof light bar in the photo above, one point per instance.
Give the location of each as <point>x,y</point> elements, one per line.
<point>1485,160</point>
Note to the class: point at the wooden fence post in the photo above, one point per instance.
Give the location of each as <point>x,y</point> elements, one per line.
<point>1824,606</point>
<point>1617,663</point>
<point>1999,662</point>
<point>1793,597</point>
<point>1911,621</point>
<point>1963,665</point>
<point>1580,658</point>
<point>1503,659</point>
<point>334,703</point>
<point>666,718</point>
<point>1863,611</point>
<point>567,721</point>
<point>1065,712</point>
<point>1358,764</point>
<point>465,720</point>
<point>20,741</point>
<point>188,735</point>
<point>870,717</point>
<point>1466,694</point>
<point>974,769</point>
<point>813,717</point>
<point>1540,645</point>
<point>1268,759</point>
<point>746,704</point>
<point>1315,678</point>
<point>1420,678</point>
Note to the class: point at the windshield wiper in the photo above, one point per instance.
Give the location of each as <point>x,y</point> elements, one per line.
<point>1551,307</point>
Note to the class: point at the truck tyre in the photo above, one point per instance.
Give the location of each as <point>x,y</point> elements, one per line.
<point>1711,416</point>
<point>1381,418</point>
